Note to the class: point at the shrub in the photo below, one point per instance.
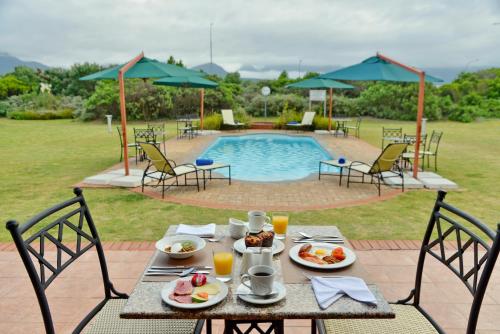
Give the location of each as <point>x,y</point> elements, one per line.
<point>276,104</point>
<point>287,117</point>
<point>41,115</point>
<point>321,123</point>
<point>212,122</point>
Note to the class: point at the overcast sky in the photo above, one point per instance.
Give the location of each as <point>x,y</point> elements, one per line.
<point>423,33</point>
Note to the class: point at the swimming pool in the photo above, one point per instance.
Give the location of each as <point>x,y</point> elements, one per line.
<point>268,157</point>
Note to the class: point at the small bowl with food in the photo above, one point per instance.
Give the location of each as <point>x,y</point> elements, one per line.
<point>180,246</point>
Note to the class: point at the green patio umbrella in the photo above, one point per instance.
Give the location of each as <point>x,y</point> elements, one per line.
<point>319,83</point>
<point>382,68</point>
<point>138,68</point>
<point>144,69</point>
<point>189,82</point>
<point>376,69</point>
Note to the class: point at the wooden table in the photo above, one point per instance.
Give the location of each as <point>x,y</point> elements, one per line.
<point>145,301</point>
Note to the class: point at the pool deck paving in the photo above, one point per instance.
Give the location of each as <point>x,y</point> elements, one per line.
<point>78,289</point>
<point>299,195</point>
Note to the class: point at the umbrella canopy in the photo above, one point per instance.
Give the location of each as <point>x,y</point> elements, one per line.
<point>143,69</point>
<point>376,69</point>
<point>192,82</point>
<point>318,83</point>
<point>189,81</point>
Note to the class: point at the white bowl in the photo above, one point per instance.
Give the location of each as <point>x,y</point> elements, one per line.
<point>172,239</point>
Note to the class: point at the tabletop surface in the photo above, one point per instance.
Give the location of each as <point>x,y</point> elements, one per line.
<point>300,303</point>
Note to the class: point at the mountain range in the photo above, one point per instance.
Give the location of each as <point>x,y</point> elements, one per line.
<point>8,63</point>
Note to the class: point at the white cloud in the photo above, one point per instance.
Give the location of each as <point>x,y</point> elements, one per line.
<point>423,33</point>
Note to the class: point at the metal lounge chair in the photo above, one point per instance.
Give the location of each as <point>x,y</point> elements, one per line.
<point>446,224</point>
<point>53,227</point>
<point>306,123</point>
<point>166,169</point>
<point>228,119</point>
<point>384,167</point>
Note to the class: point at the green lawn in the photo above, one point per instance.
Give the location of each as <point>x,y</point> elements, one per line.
<point>42,159</point>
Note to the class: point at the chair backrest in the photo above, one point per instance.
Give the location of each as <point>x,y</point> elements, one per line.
<point>392,132</point>
<point>308,118</point>
<point>227,117</point>
<point>388,158</point>
<point>120,135</point>
<point>144,135</point>
<point>52,227</point>
<point>451,225</point>
<point>157,128</point>
<point>358,122</point>
<point>433,145</point>
<point>157,158</point>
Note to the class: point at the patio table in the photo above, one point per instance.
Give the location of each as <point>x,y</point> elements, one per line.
<point>300,303</point>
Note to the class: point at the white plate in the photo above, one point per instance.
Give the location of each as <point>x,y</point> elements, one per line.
<point>278,246</point>
<point>350,257</point>
<point>171,239</point>
<point>277,286</point>
<point>169,287</point>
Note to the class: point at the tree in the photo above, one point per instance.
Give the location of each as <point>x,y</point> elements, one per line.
<point>171,60</point>
<point>233,78</point>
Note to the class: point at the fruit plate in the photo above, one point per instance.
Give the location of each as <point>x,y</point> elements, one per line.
<point>350,257</point>
<point>239,246</point>
<point>169,287</point>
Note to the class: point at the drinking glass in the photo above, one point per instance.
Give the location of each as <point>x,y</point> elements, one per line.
<point>280,224</point>
<point>223,263</point>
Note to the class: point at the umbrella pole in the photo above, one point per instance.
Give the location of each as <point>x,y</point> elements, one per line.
<point>202,96</point>
<point>330,111</point>
<point>123,111</point>
<point>420,113</point>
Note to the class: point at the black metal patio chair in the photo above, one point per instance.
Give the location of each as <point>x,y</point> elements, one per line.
<point>51,227</point>
<point>144,136</point>
<point>129,145</point>
<point>446,223</point>
<point>391,135</point>
<point>159,131</point>
<point>354,127</point>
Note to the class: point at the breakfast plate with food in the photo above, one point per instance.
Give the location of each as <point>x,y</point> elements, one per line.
<point>263,239</point>
<point>322,255</point>
<point>180,246</point>
<point>198,291</point>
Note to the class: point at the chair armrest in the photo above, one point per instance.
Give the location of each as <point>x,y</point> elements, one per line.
<point>188,165</point>
<point>357,163</point>
<point>172,162</point>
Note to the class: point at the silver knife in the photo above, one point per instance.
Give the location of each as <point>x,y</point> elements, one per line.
<point>179,267</point>
<point>166,273</point>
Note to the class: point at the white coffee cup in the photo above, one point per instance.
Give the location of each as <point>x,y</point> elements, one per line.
<point>237,228</point>
<point>261,279</point>
<point>257,220</point>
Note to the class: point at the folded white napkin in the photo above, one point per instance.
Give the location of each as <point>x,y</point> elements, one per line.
<point>329,289</point>
<point>205,231</point>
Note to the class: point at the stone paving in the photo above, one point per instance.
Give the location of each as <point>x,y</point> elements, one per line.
<point>305,194</point>
<point>78,289</point>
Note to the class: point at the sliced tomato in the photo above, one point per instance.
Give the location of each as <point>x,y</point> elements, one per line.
<point>338,253</point>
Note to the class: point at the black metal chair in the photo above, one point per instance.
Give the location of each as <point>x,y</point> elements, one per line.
<point>446,223</point>
<point>129,145</point>
<point>391,135</point>
<point>354,127</point>
<point>144,136</point>
<point>159,131</point>
<point>49,227</point>
<point>432,148</point>
<point>409,155</point>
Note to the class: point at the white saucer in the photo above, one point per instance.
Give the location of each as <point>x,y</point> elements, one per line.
<point>277,287</point>
<point>278,246</point>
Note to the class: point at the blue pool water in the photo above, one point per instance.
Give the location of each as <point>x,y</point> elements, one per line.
<point>268,157</point>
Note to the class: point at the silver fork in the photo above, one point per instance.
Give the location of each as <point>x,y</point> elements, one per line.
<point>216,239</point>
<point>310,277</point>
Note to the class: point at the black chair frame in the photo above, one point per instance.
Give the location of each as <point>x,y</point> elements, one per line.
<point>391,133</point>
<point>435,139</point>
<point>143,136</point>
<point>41,281</point>
<point>435,236</point>
<point>159,129</point>
<point>120,135</point>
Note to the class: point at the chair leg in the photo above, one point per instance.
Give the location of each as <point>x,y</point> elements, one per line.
<point>348,177</point>
<point>229,174</point>
<point>163,189</point>
<point>319,171</point>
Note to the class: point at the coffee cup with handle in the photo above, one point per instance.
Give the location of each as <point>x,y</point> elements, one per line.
<point>261,279</point>
<point>256,220</point>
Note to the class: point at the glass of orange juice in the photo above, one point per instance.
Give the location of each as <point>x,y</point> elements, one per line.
<point>223,263</point>
<point>280,224</point>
